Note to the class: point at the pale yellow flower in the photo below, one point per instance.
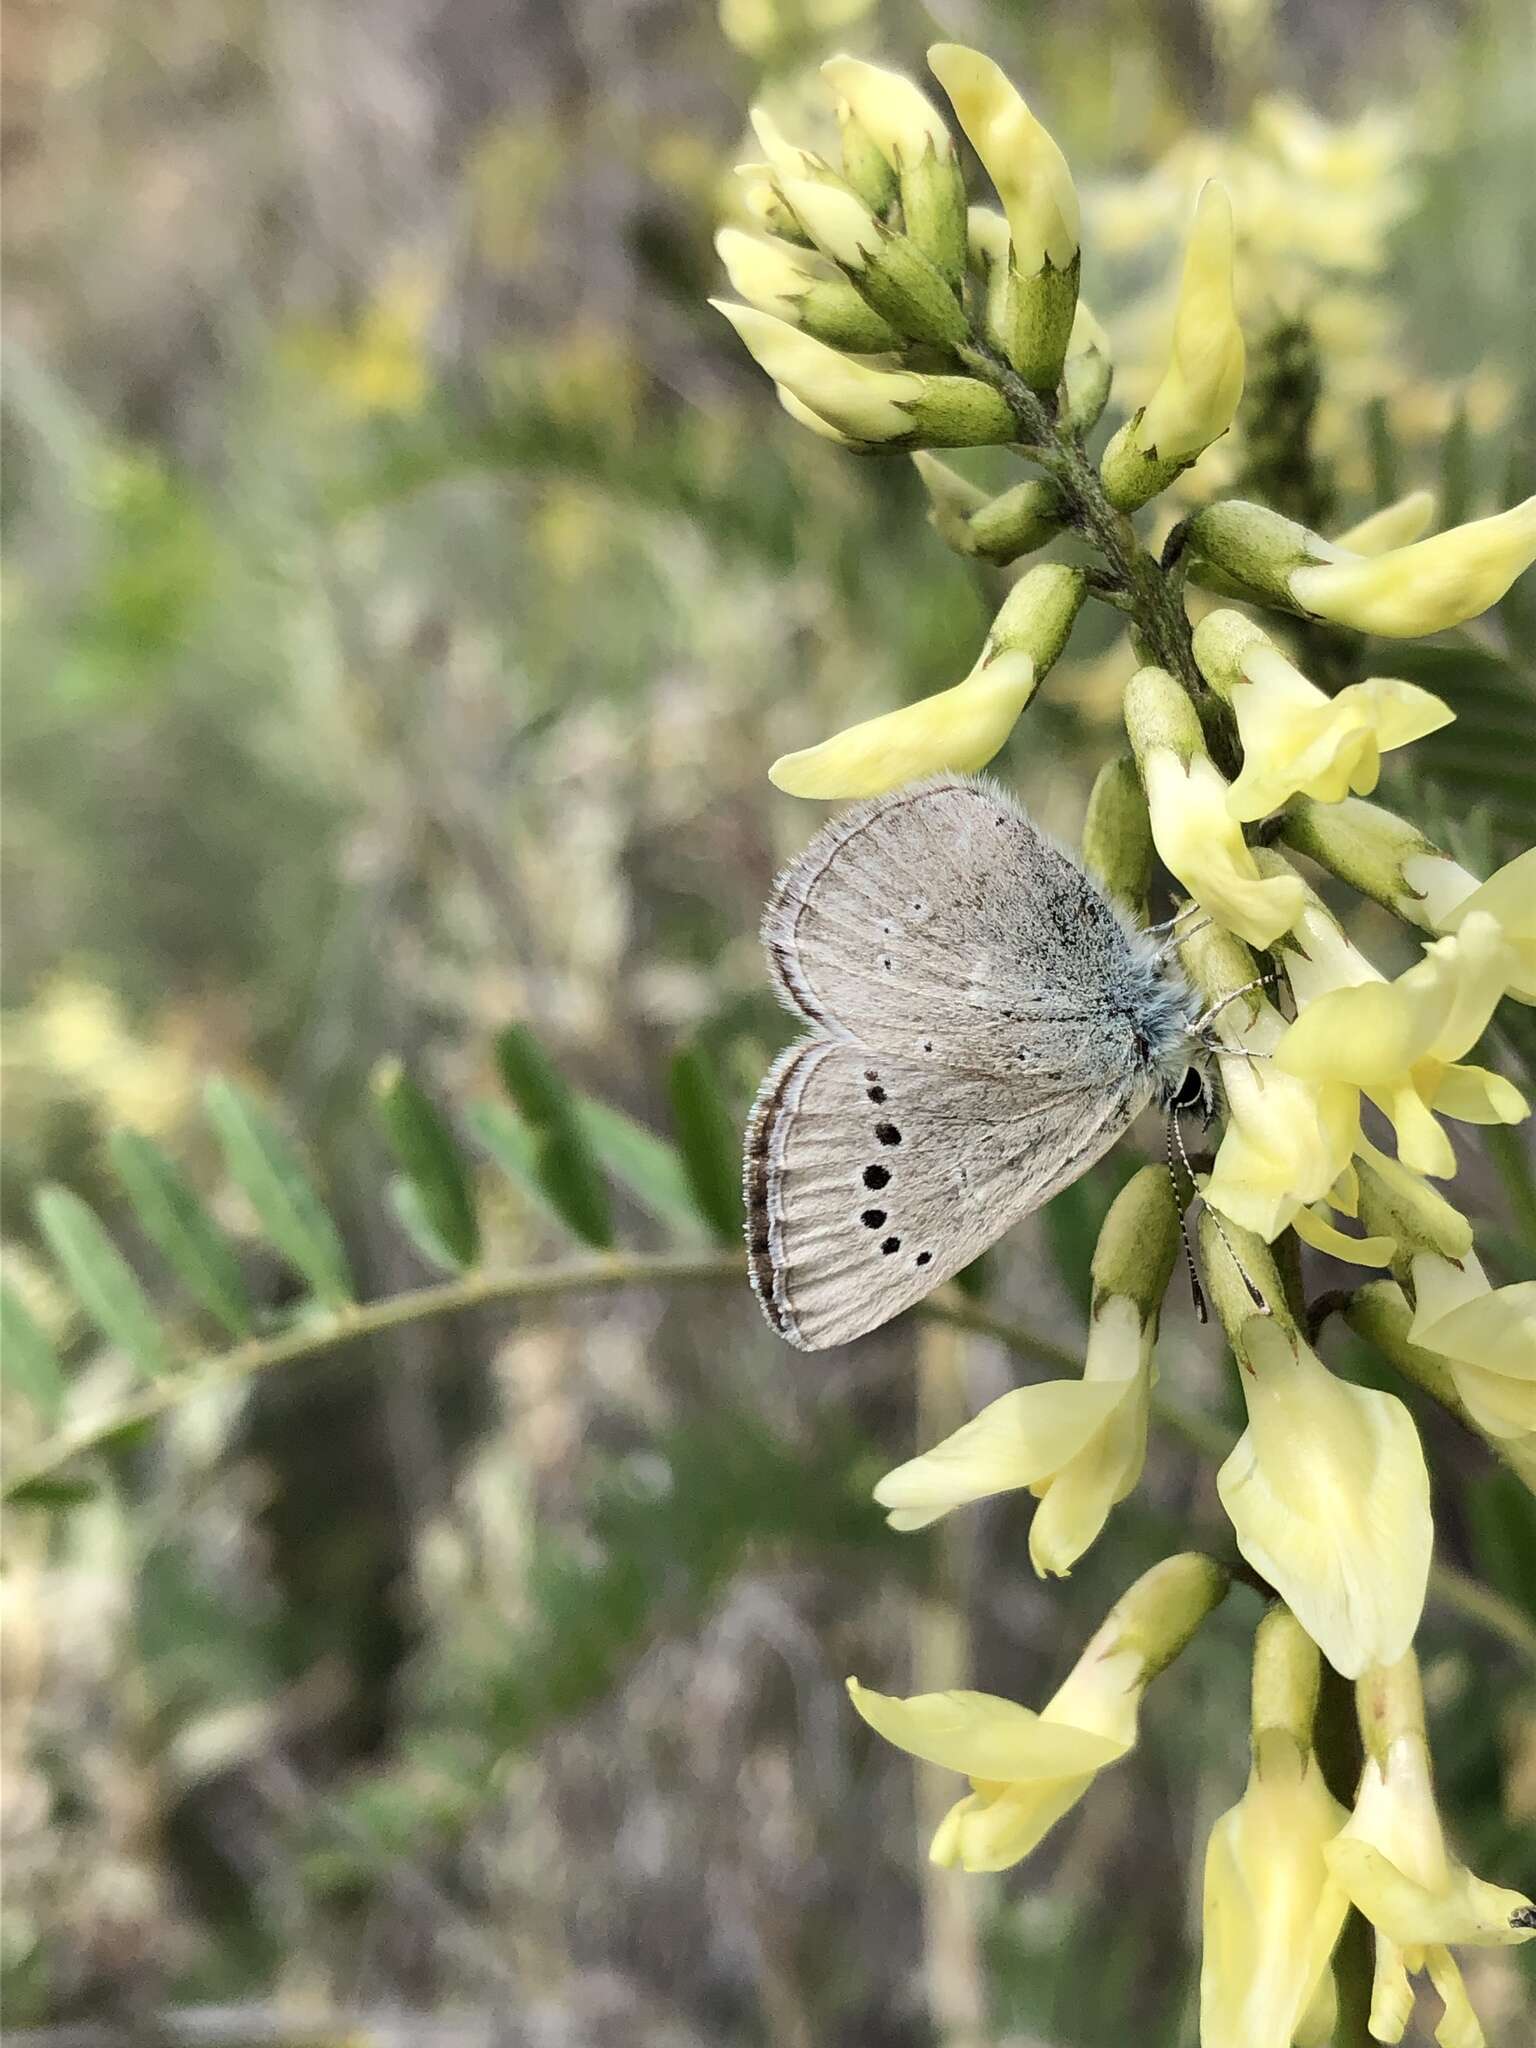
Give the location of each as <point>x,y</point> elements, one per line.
<point>800,286</point>
<point>1199,841</point>
<point>1018,155</point>
<point>1486,1334</point>
<point>1328,1495</point>
<point>1427,587</point>
<point>1509,897</point>
<point>1296,740</point>
<point>1392,1860</point>
<point>901,120</point>
<point>960,728</point>
<point>1200,389</point>
<point>1272,1912</point>
<point>1402,1042</point>
<point>1286,1141</point>
<point>1027,1769</point>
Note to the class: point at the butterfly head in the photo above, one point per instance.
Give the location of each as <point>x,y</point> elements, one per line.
<point>1190,1093</point>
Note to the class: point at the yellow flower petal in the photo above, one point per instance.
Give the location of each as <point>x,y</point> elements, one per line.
<point>1199,841</point>
<point>1022,160</point>
<point>1394,526</point>
<point>1315,1229</point>
<point>959,729</point>
<point>984,1736</point>
<point>1425,588</point>
<point>1019,1440</point>
<point>1329,1498</point>
<point>1200,389</point>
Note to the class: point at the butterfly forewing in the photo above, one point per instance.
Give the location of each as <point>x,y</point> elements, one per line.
<point>939,923</point>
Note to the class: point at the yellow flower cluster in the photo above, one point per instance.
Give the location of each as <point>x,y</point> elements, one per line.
<point>892,315</point>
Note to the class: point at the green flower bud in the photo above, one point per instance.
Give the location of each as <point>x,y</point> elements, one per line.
<point>1287,1673</point>
<point>1157,1616</point>
<point>987,529</point>
<point>865,168</point>
<point>1379,854</point>
<point>910,133</point>
<point>887,269</point>
<point>1158,713</point>
<point>1247,551</point>
<point>1398,1203</point>
<point>1138,1243</point>
<point>801,286</point>
<point>1231,1296</point>
<point>1117,835</point>
<point>1037,615</point>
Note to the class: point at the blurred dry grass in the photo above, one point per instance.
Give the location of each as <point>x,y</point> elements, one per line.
<point>405,586</point>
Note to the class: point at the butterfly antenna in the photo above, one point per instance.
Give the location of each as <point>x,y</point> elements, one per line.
<point>1196,1291</point>
<point>1244,1275</point>
<point>1209,1016</point>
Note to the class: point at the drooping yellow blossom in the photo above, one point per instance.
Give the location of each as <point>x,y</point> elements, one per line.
<point>1392,1860</point>
<point>865,403</point>
<point>1425,588</point>
<point>1078,1444</point>
<point>1486,1334</point>
<point>1019,156</point>
<point>1296,740</point>
<point>888,269</point>
<point>1394,526</point>
<point>801,286</point>
<point>1028,1769</point>
<point>1196,836</point>
<point>1272,1912</point>
<point>1328,1495</point>
<point>960,728</point>
<point>1401,1042</point>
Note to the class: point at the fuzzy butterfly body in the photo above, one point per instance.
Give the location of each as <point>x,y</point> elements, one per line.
<point>985,1025</point>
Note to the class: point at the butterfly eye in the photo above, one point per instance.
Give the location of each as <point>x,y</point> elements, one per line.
<point>1190,1093</point>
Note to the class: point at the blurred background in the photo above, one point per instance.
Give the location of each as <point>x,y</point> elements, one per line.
<point>407,581</point>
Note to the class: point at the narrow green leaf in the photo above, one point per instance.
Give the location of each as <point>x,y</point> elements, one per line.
<point>1457,462</point>
<point>429,1154</point>
<point>108,1288</point>
<point>563,1159</point>
<point>405,1198</point>
<point>177,1223</point>
<point>266,1166</point>
<point>50,1493</point>
<point>647,1165</point>
<point>513,1147</point>
<point>1381,444</point>
<point>709,1141</point>
<point>28,1362</point>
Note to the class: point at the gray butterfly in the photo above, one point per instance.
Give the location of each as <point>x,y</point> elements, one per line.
<point>985,1026</point>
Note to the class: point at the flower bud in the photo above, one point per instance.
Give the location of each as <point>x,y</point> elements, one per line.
<point>1198,397</point>
<point>1197,838</point>
<point>1088,371</point>
<point>960,728</point>
<point>880,406</point>
<point>1247,551</point>
<point>1040,200</point>
<point>987,529</point>
<point>1398,1203</point>
<point>865,168</point>
<point>787,159</point>
<point>1425,588</point>
<point>1394,526</point>
<point>760,197</point>
<point>1295,738</point>
<point>796,285</point>
<point>910,134</point>
<point>1117,835</point>
<point>887,269</point>
<point>802,416</point>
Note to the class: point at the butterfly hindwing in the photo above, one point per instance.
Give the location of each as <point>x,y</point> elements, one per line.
<point>870,1179</point>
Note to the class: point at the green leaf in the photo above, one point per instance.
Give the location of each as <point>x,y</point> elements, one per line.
<point>1456,470</point>
<point>261,1160</point>
<point>441,1197</point>
<point>709,1141</point>
<point>1386,484</point>
<point>108,1288</point>
<point>50,1492</point>
<point>563,1159</point>
<point>28,1362</point>
<point>647,1165</point>
<point>176,1222</point>
<point>406,1199</point>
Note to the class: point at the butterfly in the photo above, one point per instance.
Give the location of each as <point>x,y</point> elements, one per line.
<point>985,1024</point>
